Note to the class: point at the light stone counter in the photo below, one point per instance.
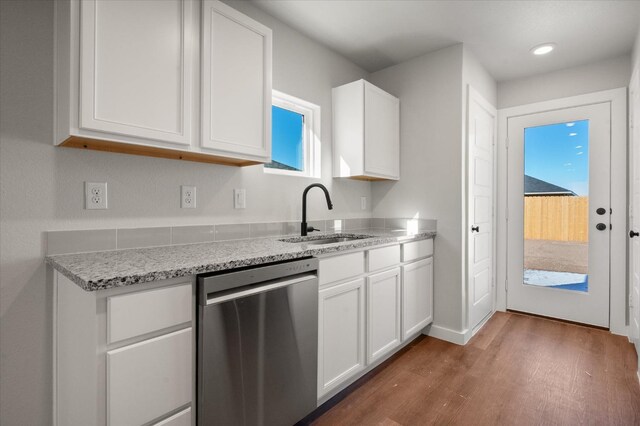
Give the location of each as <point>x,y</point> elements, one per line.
<point>117,268</point>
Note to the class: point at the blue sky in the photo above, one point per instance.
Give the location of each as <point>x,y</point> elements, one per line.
<point>559,154</point>
<point>286,136</point>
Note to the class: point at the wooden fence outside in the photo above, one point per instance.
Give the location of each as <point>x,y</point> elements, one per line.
<point>556,218</point>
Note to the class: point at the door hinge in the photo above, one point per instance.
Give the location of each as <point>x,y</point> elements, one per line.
<point>506,286</point>
<point>507,142</point>
<point>506,214</point>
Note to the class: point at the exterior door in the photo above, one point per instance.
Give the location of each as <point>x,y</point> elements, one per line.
<point>481,131</point>
<point>559,213</point>
<point>634,220</point>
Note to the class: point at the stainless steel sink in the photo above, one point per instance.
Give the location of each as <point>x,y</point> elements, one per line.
<point>332,240</point>
<point>328,239</point>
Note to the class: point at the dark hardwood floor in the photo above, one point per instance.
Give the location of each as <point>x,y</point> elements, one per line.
<point>518,370</point>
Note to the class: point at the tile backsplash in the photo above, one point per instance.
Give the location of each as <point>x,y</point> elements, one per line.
<point>77,241</point>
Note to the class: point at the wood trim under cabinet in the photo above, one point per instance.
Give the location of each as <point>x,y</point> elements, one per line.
<point>369,178</point>
<point>152,151</point>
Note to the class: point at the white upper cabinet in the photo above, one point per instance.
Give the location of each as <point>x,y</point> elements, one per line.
<point>136,68</point>
<point>236,82</point>
<point>182,79</point>
<point>366,132</point>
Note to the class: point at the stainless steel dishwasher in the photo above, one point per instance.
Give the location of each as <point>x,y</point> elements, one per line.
<point>258,344</point>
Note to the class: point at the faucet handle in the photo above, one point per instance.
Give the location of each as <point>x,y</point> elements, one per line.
<point>311,229</point>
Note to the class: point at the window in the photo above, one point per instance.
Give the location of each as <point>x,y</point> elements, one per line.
<point>295,137</point>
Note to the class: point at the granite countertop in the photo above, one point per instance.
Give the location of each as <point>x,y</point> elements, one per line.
<point>118,268</point>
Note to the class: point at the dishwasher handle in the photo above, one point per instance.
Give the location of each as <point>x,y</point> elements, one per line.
<point>214,298</point>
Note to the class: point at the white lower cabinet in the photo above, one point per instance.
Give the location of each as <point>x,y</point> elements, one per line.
<point>383,313</point>
<point>148,379</point>
<point>417,296</point>
<point>109,374</point>
<point>370,304</point>
<point>341,328</point>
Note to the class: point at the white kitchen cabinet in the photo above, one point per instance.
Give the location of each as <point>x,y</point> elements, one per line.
<point>124,376</point>
<point>131,77</point>
<point>398,304</point>
<point>383,313</point>
<point>236,82</point>
<point>148,379</point>
<point>136,68</point>
<point>341,334</point>
<point>417,296</point>
<point>382,258</point>
<point>134,314</point>
<point>366,132</point>
<point>341,267</point>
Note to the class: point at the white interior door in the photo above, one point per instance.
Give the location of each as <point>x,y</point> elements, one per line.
<point>634,220</point>
<point>559,213</point>
<point>481,131</point>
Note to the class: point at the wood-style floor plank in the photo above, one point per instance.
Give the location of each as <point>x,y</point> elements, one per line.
<point>518,370</point>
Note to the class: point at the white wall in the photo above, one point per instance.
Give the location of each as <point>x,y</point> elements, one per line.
<point>635,53</point>
<point>594,77</point>
<point>41,186</point>
<point>430,92</point>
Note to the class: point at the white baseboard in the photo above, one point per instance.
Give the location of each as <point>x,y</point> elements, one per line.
<point>453,336</point>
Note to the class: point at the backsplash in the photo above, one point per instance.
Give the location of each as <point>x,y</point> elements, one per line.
<point>78,241</point>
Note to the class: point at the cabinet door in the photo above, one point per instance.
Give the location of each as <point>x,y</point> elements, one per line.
<point>136,67</point>
<point>236,82</point>
<point>382,133</point>
<point>417,296</point>
<point>340,334</point>
<point>149,379</point>
<point>383,313</point>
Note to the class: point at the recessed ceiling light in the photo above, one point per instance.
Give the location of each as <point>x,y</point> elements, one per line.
<point>571,124</point>
<point>573,134</point>
<point>543,49</point>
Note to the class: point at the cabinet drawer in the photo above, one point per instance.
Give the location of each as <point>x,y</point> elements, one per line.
<point>417,250</point>
<point>340,267</point>
<point>183,418</point>
<point>384,257</point>
<point>134,314</point>
<point>148,379</point>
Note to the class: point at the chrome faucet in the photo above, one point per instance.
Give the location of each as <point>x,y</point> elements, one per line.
<point>303,226</point>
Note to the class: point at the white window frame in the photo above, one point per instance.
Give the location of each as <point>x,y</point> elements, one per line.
<point>311,135</point>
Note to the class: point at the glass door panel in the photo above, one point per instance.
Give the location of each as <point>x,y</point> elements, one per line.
<point>556,206</point>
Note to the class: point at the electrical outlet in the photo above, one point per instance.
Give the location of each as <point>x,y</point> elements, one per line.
<point>187,197</point>
<point>239,199</point>
<point>95,195</point>
<point>363,203</point>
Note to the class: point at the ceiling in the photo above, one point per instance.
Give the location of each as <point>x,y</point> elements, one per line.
<point>376,34</point>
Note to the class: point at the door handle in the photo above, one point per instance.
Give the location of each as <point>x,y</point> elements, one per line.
<point>601,227</point>
<point>601,211</point>
<point>475,228</point>
<point>633,233</point>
